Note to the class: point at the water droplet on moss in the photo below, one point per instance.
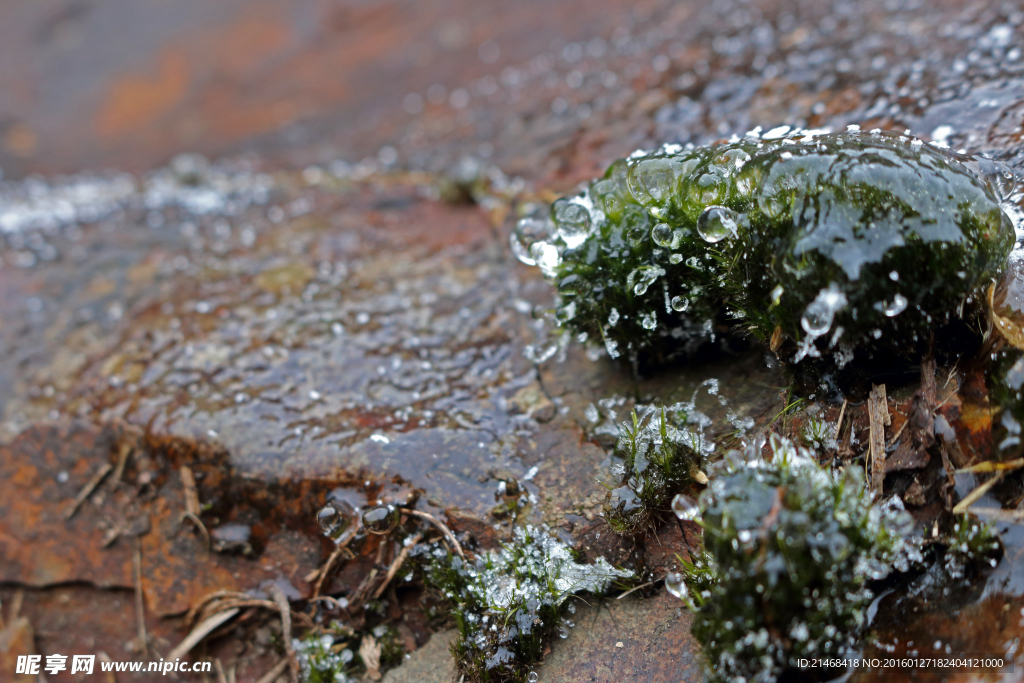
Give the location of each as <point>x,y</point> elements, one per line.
<point>675,585</point>
<point>897,306</point>
<point>717,223</point>
<point>573,222</point>
<point>649,320</point>
<point>662,235</point>
<point>643,277</point>
<point>546,257</point>
<point>685,508</point>
<point>818,316</point>
<point>527,232</point>
<point>680,303</point>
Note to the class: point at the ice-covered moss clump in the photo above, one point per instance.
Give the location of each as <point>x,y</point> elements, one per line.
<point>795,546</point>
<point>318,662</point>
<point>663,452</point>
<point>823,245</point>
<point>507,603</point>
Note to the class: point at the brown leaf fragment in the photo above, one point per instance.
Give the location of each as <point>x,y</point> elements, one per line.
<point>918,435</point>
<point>878,418</point>
<point>369,652</point>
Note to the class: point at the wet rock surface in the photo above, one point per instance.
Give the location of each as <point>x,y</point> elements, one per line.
<point>289,333</point>
<point>633,639</point>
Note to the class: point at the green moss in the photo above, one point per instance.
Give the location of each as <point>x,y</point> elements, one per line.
<point>508,603</point>
<point>661,456</point>
<point>318,660</point>
<point>828,245</point>
<point>794,546</point>
<point>970,547</point>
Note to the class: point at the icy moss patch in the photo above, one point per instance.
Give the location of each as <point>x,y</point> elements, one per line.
<point>507,603</point>
<point>320,661</point>
<point>971,546</point>
<point>795,546</point>
<point>663,452</point>
<point>823,245</point>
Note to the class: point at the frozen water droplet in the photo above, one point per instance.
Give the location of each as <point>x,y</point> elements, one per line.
<point>637,234</point>
<point>898,305</point>
<point>532,677</point>
<point>380,519</point>
<point>526,233</point>
<point>680,303</point>
<point>684,507</point>
<point>643,277</point>
<point>573,222</point>
<point>675,258</point>
<point>612,347</point>
<point>662,235</point>
<point>545,256</point>
<point>717,223</point>
<point>652,180</point>
<point>649,320</point>
<point>675,585</point>
<point>337,520</point>
<point>613,317</point>
<point>326,518</point>
<point>777,294</point>
<point>818,315</point>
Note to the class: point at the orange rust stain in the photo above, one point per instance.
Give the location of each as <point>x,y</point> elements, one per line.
<point>136,100</point>
<point>240,48</point>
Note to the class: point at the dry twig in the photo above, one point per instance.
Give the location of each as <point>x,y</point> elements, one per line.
<point>87,490</point>
<point>123,453</point>
<point>878,418</point>
<point>397,564</point>
<point>140,613</point>
<point>329,564</point>
<point>286,629</point>
<point>977,493</point>
<point>443,527</point>
<point>206,627</point>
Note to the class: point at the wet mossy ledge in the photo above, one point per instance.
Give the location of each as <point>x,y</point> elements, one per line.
<point>829,247</point>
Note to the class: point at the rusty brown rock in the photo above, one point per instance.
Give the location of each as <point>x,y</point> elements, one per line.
<point>634,639</point>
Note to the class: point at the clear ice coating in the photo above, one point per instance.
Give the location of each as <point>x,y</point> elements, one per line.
<point>794,233</point>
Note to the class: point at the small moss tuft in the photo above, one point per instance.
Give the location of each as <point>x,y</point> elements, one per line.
<point>795,546</point>
<point>509,602</point>
<point>661,456</point>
